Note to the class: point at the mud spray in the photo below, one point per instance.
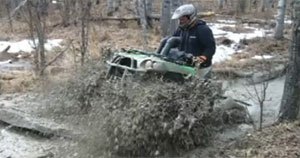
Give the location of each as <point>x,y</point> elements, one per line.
<point>140,118</point>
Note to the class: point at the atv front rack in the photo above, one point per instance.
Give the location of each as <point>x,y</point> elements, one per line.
<point>138,62</point>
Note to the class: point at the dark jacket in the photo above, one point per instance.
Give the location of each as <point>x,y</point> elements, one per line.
<point>198,40</point>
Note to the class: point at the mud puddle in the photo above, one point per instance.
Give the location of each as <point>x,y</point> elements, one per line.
<point>20,65</point>
<point>242,90</point>
<point>21,144</point>
<point>15,143</point>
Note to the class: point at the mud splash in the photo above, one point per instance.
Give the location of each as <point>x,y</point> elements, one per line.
<point>140,118</point>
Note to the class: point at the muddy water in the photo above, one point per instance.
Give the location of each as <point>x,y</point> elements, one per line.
<point>10,65</point>
<point>242,90</point>
<point>17,144</point>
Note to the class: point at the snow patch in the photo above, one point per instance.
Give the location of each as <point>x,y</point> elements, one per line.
<point>28,45</point>
<point>223,52</point>
<point>227,21</point>
<point>262,57</point>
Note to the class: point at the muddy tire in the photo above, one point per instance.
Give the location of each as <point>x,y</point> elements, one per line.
<point>173,77</point>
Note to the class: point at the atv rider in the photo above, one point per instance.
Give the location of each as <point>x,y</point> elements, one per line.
<point>193,38</point>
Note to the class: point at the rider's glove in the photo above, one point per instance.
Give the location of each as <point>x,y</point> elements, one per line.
<point>200,59</point>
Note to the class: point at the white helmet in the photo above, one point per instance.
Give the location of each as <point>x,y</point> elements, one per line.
<point>186,9</point>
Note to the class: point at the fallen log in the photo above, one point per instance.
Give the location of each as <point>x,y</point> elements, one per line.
<point>20,119</point>
<point>266,76</point>
<point>136,18</point>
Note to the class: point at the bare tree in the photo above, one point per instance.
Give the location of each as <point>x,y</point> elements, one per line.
<point>174,23</point>
<point>264,5</point>
<point>278,33</point>
<point>85,16</point>
<point>144,11</point>
<point>168,26</point>
<point>220,4</point>
<point>261,97</point>
<point>243,6</point>
<point>143,19</point>
<point>69,12</point>
<point>12,7</point>
<point>8,9</point>
<point>42,7</point>
<point>149,9</point>
<point>112,6</point>
<point>260,89</point>
<point>37,30</point>
<point>289,109</point>
<point>165,17</point>
<point>66,12</point>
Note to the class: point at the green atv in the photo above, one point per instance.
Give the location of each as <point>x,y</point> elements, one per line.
<point>139,63</point>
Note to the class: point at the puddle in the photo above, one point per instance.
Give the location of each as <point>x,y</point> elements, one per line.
<point>20,65</point>
<point>13,144</point>
<point>245,92</point>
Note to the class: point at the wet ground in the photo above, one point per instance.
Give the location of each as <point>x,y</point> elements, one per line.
<point>16,143</point>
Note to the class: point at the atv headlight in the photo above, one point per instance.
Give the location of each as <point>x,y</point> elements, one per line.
<point>156,66</point>
<point>148,64</point>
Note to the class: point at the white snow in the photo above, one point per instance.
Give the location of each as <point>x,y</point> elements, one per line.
<point>227,21</point>
<point>5,62</point>
<point>27,45</point>
<point>223,52</point>
<point>262,57</point>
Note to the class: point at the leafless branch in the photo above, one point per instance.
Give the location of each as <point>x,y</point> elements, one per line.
<point>21,4</point>
<point>58,55</point>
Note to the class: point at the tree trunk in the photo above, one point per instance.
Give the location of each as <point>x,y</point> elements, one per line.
<point>264,5</point>
<point>66,13</point>
<point>243,6</point>
<point>289,109</point>
<point>117,4</point>
<point>220,4</point>
<point>165,17</point>
<point>85,16</point>
<point>112,6</point>
<point>143,19</point>
<point>8,9</point>
<point>31,31</point>
<point>13,6</point>
<point>39,27</point>
<point>174,23</point>
<point>278,34</point>
<point>149,9</point>
<point>168,26</point>
<point>43,7</point>
<point>41,42</point>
